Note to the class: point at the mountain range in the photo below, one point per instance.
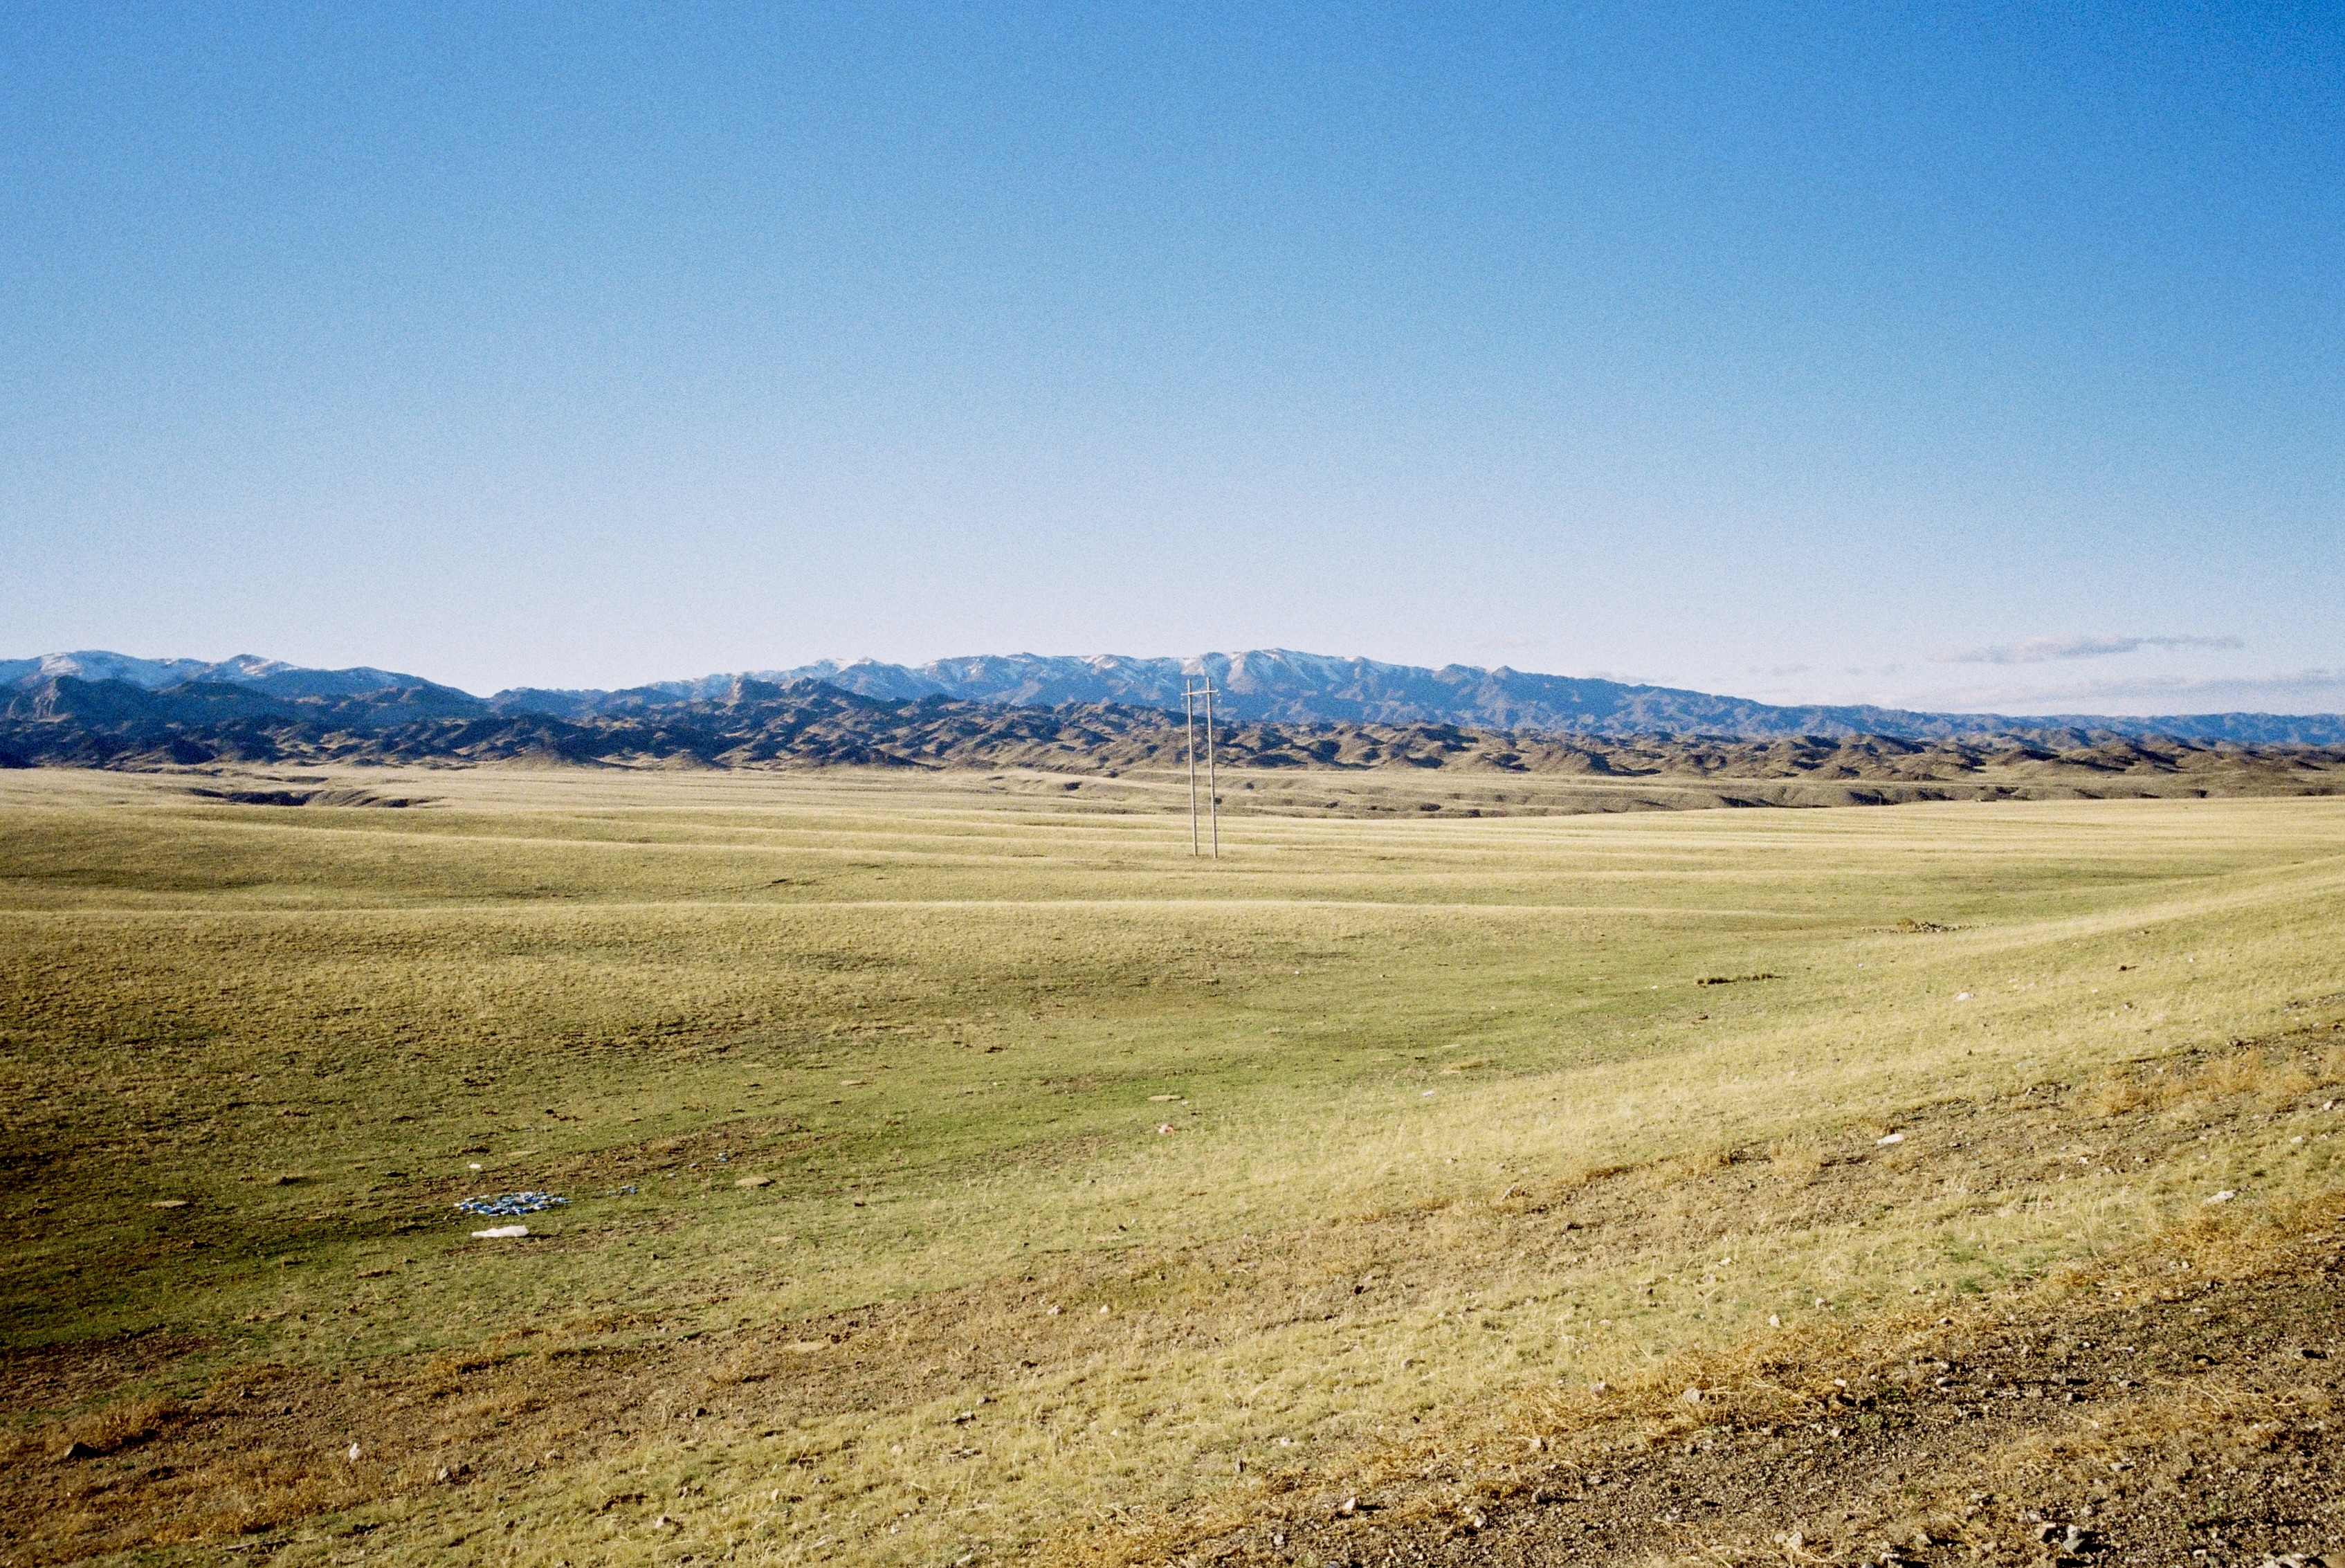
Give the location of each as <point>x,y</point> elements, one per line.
<point>124,693</point>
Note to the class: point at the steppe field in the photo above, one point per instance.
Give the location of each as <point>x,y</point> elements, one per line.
<point>960,1173</point>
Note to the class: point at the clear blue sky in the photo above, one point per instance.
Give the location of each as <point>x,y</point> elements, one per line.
<point>1991,355</point>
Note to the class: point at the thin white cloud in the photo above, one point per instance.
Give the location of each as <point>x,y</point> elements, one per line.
<point>2293,691</point>
<point>2041,650</point>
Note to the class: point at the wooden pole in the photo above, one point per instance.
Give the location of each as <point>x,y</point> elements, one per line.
<point>1189,708</point>
<point>1213,786</point>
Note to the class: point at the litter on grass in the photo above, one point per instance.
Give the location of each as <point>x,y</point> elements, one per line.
<point>505,1204</point>
<point>501,1233</point>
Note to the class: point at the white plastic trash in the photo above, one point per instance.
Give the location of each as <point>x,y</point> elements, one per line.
<point>501,1233</point>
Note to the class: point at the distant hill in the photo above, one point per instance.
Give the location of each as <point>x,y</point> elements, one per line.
<point>112,691</point>
<point>1300,687</point>
<point>248,671</point>
<point>220,728</point>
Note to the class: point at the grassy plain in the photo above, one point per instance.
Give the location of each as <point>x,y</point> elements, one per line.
<point>1102,1200</point>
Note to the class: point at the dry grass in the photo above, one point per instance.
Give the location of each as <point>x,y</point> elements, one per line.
<point>1458,1134</point>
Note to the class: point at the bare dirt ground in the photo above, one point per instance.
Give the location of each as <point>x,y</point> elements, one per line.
<point>2194,1426</point>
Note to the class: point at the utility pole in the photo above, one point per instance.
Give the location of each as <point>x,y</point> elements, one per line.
<point>1191,694</point>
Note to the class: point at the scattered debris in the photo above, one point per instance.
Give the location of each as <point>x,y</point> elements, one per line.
<point>2226,1195</point>
<point>1892,1139</point>
<point>501,1233</point>
<point>507,1204</point>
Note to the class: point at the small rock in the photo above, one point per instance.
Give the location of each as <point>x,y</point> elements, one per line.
<point>1691,1396</point>
<point>1892,1139</point>
<point>754,1181</point>
<point>78,1449</point>
<point>2226,1195</point>
<point>168,1202</point>
<point>1348,1506</point>
<point>662,1523</point>
<point>354,1453</point>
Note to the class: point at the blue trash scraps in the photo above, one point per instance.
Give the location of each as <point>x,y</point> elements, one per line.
<point>505,1203</point>
<point>627,1191</point>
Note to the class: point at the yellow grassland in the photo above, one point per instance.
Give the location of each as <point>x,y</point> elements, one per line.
<point>1110,1198</point>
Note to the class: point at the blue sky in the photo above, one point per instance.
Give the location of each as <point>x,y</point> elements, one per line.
<point>1957,356</point>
